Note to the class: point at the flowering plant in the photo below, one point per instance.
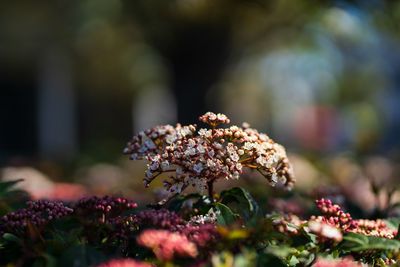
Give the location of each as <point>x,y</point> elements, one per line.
<point>234,229</point>
<point>200,157</point>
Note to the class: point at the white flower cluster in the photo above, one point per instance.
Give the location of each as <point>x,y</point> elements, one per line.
<point>210,217</point>
<point>199,158</point>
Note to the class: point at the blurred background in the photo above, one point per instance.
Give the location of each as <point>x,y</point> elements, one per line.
<point>79,77</point>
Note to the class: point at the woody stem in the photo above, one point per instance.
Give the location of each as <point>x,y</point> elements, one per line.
<point>210,187</point>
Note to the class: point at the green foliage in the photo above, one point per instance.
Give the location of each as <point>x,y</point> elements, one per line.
<point>11,198</point>
<point>243,203</point>
<point>247,236</point>
<point>358,243</point>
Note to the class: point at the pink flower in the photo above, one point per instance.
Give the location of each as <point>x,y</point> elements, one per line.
<point>335,216</point>
<point>325,231</point>
<point>166,244</point>
<point>124,263</point>
<point>67,191</point>
<point>345,262</point>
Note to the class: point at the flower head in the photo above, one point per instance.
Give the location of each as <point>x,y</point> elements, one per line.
<point>102,209</point>
<point>37,214</point>
<point>166,245</point>
<point>213,119</point>
<point>198,158</point>
<point>324,231</point>
<point>335,216</point>
<point>344,262</point>
<point>124,263</point>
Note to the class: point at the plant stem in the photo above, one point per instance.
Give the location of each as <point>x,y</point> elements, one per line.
<point>210,187</point>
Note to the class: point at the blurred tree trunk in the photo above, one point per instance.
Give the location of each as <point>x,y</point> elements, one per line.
<point>198,60</point>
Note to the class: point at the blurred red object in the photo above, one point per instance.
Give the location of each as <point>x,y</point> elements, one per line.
<point>67,192</point>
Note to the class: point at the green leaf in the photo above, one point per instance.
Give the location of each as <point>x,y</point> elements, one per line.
<point>225,216</point>
<point>393,222</point>
<point>6,186</point>
<point>293,261</point>
<point>246,205</point>
<point>356,242</point>
<point>11,238</point>
<point>266,259</point>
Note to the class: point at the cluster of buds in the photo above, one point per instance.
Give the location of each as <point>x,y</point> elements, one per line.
<point>167,245</point>
<point>334,215</point>
<point>374,228</point>
<point>37,214</point>
<point>125,263</point>
<point>210,217</point>
<point>122,227</point>
<point>213,119</point>
<point>288,224</point>
<point>160,219</point>
<point>102,209</point>
<point>344,262</point>
<point>200,157</point>
<point>203,235</point>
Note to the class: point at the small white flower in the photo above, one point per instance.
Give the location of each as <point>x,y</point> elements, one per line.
<point>190,152</point>
<point>171,138</point>
<point>261,160</point>
<point>245,125</point>
<point>201,149</point>
<point>176,188</point>
<point>186,131</point>
<point>234,156</point>
<point>205,133</point>
<point>191,143</point>
<point>234,128</point>
<point>164,165</point>
<point>211,164</point>
<point>198,167</point>
<point>248,146</point>
<point>154,166</point>
<point>239,166</point>
<point>217,145</point>
<point>150,144</point>
<point>162,131</point>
